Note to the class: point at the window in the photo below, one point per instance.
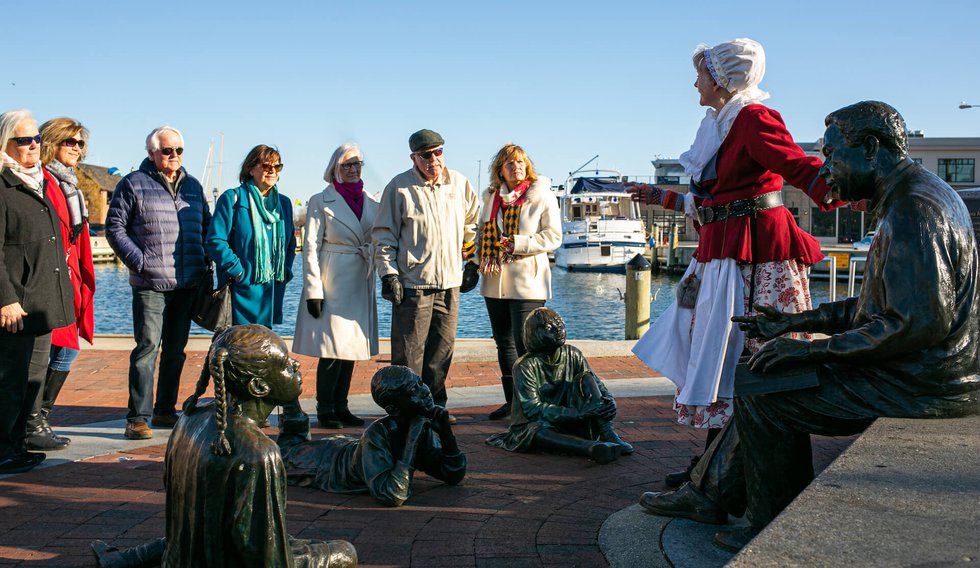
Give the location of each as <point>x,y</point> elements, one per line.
<point>824,223</point>
<point>956,170</point>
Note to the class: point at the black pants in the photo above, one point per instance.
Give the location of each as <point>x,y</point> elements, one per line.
<point>762,459</point>
<point>23,364</point>
<point>423,334</point>
<point>333,378</point>
<point>507,324</point>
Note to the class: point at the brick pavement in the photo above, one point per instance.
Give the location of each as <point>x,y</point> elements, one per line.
<point>511,510</point>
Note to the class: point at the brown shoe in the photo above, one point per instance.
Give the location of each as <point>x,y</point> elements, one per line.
<point>686,503</point>
<point>138,431</point>
<point>164,420</point>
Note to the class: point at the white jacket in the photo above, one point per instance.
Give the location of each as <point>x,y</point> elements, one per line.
<point>421,228</point>
<point>538,233</point>
<point>338,267</point>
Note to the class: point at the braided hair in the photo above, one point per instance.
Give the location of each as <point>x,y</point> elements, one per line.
<point>236,361</point>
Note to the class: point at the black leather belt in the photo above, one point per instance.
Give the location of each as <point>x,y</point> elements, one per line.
<point>739,207</point>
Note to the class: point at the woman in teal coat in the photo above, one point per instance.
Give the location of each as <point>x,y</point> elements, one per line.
<point>252,240</point>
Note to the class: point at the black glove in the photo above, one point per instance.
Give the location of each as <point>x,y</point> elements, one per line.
<point>470,277</point>
<point>391,289</point>
<point>315,307</point>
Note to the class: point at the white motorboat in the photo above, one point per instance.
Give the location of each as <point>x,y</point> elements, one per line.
<point>601,226</point>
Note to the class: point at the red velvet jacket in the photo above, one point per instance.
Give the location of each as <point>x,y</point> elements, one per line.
<point>79,260</point>
<point>754,158</point>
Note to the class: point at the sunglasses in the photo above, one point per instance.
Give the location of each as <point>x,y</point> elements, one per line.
<point>168,150</point>
<point>72,142</point>
<point>269,168</point>
<point>26,140</point>
<point>427,155</point>
<point>352,165</point>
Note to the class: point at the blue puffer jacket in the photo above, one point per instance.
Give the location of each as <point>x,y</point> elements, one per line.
<point>160,238</point>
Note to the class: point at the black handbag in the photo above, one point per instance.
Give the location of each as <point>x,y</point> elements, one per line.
<point>212,307</point>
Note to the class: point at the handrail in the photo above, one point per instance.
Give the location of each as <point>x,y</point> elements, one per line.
<point>832,262</point>
<point>852,273</point>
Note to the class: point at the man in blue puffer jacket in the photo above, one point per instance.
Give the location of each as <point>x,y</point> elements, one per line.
<point>156,224</point>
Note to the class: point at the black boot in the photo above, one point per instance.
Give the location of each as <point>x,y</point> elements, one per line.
<point>38,434</point>
<point>507,382</point>
<point>142,556</point>
<point>292,414</point>
<point>607,433</point>
<point>601,452</point>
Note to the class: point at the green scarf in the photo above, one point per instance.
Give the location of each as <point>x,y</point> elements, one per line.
<point>270,258</point>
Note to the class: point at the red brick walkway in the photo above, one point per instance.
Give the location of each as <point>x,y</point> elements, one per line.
<point>511,510</point>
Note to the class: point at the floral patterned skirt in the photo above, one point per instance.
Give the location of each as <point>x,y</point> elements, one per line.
<point>783,285</point>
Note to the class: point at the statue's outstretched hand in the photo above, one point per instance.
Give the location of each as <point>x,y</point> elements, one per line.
<point>780,352</point>
<point>767,324</point>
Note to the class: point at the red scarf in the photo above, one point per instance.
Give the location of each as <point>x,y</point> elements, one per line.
<point>498,201</point>
<point>353,194</point>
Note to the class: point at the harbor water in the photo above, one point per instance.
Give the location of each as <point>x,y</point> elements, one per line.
<point>590,302</point>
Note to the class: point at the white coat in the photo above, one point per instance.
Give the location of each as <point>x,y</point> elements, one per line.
<point>338,268</point>
<point>539,232</point>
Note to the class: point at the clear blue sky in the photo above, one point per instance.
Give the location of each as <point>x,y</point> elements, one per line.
<point>566,80</point>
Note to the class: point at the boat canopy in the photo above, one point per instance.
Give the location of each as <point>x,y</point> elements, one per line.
<point>597,185</point>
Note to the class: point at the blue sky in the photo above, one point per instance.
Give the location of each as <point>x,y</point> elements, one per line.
<point>566,80</point>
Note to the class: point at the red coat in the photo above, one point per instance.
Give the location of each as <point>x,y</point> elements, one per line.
<point>79,260</point>
<point>754,158</point>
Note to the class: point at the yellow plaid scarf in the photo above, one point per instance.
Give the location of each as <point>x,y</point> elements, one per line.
<point>493,253</point>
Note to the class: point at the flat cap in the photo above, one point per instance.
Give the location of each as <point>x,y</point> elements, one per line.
<point>423,139</point>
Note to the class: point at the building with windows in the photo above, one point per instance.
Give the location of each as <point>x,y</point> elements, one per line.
<point>952,159</point>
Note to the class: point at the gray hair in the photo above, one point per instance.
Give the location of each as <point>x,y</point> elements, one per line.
<point>153,138</point>
<point>9,121</point>
<point>332,173</point>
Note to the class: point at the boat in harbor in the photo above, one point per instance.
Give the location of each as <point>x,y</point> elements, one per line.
<point>601,226</point>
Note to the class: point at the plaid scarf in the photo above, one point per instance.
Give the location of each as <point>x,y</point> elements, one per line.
<point>493,249</point>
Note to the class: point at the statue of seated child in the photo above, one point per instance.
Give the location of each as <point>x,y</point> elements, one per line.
<point>415,435</point>
<point>560,404</point>
<point>225,479</point>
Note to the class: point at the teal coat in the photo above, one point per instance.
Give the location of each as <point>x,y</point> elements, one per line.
<point>230,244</point>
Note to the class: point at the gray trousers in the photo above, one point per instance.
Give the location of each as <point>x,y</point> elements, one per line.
<point>423,333</point>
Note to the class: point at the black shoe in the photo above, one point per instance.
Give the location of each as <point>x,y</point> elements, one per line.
<point>604,452</point>
<point>44,440</point>
<point>678,478</point>
<point>20,463</point>
<point>348,419</point>
<point>607,433</point>
<point>735,539</point>
<point>329,420</point>
<point>168,420</point>
<point>686,503</point>
<point>500,413</point>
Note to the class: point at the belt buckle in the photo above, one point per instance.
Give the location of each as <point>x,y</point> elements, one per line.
<point>707,215</point>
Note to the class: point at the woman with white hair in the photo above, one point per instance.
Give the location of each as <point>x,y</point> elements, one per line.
<point>35,291</point>
<point>338,313</point>
<point>750,250</point>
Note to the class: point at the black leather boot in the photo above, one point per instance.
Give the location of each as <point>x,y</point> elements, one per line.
<point>52,387</point>
<point>38,434</point>
<point>507,382</point>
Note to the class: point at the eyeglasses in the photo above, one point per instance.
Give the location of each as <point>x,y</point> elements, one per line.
<point>26,140</point>
<point>72,142</point>
<point>427,155</point>
<point>269,168</point>
<point>352,165</point>
<point>168,150</point>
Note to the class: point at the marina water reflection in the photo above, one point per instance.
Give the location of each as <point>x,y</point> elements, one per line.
<point>590,303</point>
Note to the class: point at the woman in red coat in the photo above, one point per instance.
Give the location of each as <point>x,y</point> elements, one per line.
<point>64,141</point>
<point>750,250</point>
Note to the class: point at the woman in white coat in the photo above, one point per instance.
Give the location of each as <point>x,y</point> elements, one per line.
<point>520,224</point>
<point>338,319</point>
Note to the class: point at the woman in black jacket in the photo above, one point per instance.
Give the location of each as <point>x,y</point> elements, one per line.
<point>35,291</point>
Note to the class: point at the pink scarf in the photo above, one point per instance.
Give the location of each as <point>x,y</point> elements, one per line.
<point>353,194</point>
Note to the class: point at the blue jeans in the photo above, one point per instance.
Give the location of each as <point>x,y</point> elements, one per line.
<point>61,358</point>
<point>159,319</point>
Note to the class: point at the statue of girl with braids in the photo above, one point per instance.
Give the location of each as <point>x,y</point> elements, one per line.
<point>225,479</point>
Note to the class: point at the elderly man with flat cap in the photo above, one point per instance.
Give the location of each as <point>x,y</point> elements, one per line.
<point>426,220</point>
<point>905,347</point>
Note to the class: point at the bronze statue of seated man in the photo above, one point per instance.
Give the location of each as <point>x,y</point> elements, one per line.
<point>415,435</point>
<point>559,403</point>
<point>906,347</point>
<point>225,480</point>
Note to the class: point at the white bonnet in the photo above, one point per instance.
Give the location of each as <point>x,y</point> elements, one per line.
<point>735,65</point>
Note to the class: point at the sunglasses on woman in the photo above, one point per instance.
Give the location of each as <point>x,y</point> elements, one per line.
<point>168,150</point>
<point>269,168</point>
<point>72,142</point>
<point>427,155</point>
<point>26,140</point>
